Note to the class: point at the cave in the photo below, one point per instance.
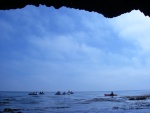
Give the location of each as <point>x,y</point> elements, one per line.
<point>108,8</point>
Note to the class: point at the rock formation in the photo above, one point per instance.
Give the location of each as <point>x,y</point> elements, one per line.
<point>108,8</point>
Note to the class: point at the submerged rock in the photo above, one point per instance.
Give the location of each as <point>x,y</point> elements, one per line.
<point>8,110</point>
<point>11,110</point>
<point>103,100</point>
<point>137,97</point>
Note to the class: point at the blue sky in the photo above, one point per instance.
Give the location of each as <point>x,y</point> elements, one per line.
<point>48,49</point>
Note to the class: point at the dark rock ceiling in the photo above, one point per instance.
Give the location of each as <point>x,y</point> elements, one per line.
<point>108,8</point>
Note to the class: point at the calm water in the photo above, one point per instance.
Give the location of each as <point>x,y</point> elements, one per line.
<point>79,102</point>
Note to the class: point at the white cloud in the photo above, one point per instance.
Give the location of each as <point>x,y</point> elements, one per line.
<point>134,26</point>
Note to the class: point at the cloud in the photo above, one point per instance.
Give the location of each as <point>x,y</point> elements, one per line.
<point>134,29</point>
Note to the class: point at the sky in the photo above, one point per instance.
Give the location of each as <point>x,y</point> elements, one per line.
<point>48,49</point>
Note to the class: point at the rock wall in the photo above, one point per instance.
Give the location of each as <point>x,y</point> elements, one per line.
<point>108,8</point>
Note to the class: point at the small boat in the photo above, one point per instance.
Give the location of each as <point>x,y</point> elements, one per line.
<point>58,93</point>
<point>41,93</point>
<point>64,93</point>
<point>33,93</point>
<point>110,94</point>
<point>70,92</point>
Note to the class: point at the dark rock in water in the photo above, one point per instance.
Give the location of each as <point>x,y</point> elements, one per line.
<point>102,100</point>
<point>8,110</point>
<point>11,110</point>
<point>142,97</point>
<point>137,97</point>
<point>131,98</point>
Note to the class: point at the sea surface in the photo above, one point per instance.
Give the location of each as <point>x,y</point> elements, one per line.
<point>79,102</point>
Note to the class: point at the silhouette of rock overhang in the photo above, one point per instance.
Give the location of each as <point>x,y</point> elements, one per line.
<point>108,8</point>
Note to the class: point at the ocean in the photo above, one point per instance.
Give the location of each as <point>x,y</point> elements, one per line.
<point>79,102</point>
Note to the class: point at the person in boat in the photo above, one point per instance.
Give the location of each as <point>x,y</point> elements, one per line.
<point>58,93</point>
<point>42,93</point>
<point>112,94</point>
<point>30,93</point>
<point>33,93</point>
<point>36,93</point>
<point>71,92</point>
<point>63,93</point>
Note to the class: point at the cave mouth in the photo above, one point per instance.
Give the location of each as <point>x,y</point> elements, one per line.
<point>108,8</point>
<point>80,47</point>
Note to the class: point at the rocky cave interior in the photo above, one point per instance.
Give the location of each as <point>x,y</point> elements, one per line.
<point>108,8</point>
